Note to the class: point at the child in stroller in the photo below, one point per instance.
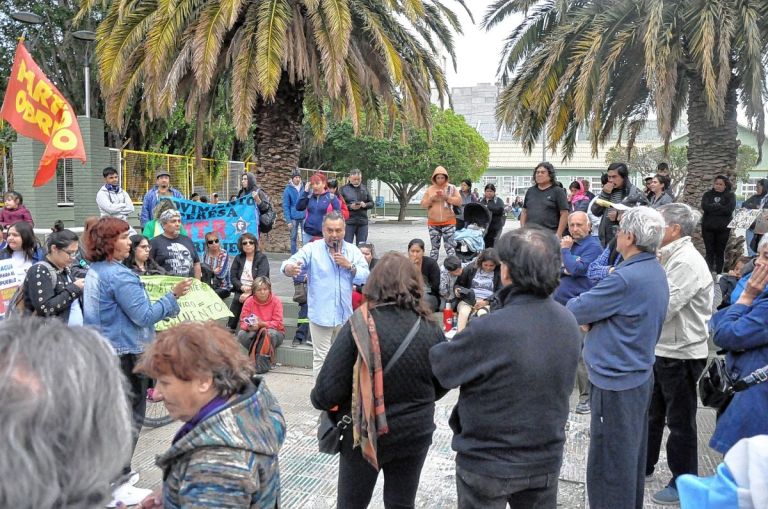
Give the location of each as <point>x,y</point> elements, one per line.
<point>469,240</point>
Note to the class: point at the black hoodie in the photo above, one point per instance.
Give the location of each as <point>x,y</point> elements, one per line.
<point>718,209</point>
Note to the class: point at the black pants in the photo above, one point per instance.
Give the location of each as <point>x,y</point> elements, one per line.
<point>674,402</point>
<point>715,242</point>
<point>476,491</point>
<point>137,399</point>
<point>236,307</point>
<point>617,447</point>
<point>357,479</point>
<point>356,230</point>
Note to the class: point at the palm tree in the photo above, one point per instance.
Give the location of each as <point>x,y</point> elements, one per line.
<point>605,65</point>
<point>370,60</point>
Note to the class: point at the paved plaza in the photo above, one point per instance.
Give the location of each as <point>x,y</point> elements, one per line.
<point>308,478</point>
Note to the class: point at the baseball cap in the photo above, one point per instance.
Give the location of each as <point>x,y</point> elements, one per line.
<point>161,172</point>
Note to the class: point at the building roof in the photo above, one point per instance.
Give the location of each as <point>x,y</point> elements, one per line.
<point>510,155</point>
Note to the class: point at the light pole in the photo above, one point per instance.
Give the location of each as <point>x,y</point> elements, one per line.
<point>88,37</point>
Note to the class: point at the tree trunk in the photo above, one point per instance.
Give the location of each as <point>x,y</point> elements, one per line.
<point>712,150</point>
<point>277,140</point>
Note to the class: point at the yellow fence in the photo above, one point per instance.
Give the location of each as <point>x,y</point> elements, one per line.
<point>214,176</point>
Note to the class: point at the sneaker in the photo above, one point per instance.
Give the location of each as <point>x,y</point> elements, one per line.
<point>582,408</point>
<point>296,342</point>
<point>667,496</point>
<point>308,342</point>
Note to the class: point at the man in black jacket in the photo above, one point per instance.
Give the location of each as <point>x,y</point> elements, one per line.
<point>358,201</point>
<point>515,382</point>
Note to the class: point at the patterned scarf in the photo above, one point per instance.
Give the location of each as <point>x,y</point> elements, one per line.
<point>369,419</point>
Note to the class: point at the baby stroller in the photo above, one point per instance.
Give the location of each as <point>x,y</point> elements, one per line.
<point>469,240</point>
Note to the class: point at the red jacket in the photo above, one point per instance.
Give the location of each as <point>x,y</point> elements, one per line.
<point>8,217</point>
<point>270,312</point>
<point>344,208</point>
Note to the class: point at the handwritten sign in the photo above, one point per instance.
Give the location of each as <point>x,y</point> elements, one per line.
<point>228,220</point>
<point>9,282</point>
<point>199,305</point>
<point>743,218</point>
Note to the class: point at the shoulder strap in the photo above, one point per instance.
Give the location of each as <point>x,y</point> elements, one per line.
<point>403,345</point>
<point>756,377</point>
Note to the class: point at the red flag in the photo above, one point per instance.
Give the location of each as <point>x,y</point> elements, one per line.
<point>36,109</point>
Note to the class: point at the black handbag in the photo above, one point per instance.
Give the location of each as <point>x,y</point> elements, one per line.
<point>717,387</point>
<point>329,432</point>
<point>715,384</point>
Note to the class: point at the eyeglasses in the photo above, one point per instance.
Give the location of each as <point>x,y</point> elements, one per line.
<point>145,246</point>
<point>71,254</point>
<point>248,243</point>
<point>215,241</point>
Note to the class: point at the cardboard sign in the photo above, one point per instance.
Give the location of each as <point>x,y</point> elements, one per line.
<point>9,283</point>
<point>199,305</point>
<point>743,218</point>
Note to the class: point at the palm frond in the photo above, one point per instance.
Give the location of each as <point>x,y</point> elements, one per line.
<point>273,19</point>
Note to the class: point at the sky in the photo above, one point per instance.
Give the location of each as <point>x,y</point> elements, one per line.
<point>477,51</point>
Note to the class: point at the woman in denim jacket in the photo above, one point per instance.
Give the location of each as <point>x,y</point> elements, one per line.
<point>116,304</point>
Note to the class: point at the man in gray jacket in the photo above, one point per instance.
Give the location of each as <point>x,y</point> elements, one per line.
<point>682,350</point>
<point>111,199</point>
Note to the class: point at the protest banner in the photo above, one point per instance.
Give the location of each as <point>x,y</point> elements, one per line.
<point>199,305</point>
<point>35,108</point>
<point>9,283</point>
<point>743,218</point>
<point>228,220</point>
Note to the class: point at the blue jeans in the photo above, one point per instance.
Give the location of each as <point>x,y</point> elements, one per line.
<point>298,226</point>
<point>356,230</point>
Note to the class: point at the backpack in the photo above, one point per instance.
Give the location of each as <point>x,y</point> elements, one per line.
<point>16,306</point>
<point>267,218</point>
<point>262,352</point>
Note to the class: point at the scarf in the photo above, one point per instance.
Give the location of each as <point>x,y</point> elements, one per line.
<point>369,419</point>
<point>579,195</point>
<point>210,408</point>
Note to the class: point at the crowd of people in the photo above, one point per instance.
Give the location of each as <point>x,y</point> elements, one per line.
<point>606,292</point>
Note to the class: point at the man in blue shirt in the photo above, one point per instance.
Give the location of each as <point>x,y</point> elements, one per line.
<point>333,266</point>
<point>623,314</point>
<point>577,250</point>
<point>161,189</point>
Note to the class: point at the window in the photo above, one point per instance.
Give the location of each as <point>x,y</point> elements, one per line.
<point>64,183</point>
<point>748,188</point>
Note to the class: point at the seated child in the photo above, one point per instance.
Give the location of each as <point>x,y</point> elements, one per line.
<point>449,272</point>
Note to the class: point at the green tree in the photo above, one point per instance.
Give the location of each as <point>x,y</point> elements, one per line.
<point>279,59</point>
<point>405,161</point>
<point>605,66</point>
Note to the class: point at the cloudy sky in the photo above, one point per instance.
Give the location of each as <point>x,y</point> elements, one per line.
<point>477,51</point>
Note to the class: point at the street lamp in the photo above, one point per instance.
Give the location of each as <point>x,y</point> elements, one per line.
<point>88,37</point>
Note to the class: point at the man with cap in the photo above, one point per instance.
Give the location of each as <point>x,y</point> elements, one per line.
<point>161,189</point>
<point>294,218</point>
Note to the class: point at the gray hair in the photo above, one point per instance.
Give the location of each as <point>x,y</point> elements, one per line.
<point>168,215</point>
<point>763,242</point>
<point>589,222</point>
<point>680,214</point>
<point>333,215</point>
<point>646,224</point>
<point>355,172</point>
<point>65,424</point>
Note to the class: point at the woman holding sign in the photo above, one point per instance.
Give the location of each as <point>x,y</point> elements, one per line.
<point>116,304</point>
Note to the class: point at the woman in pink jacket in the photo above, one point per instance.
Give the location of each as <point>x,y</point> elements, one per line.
<point>261,310</point>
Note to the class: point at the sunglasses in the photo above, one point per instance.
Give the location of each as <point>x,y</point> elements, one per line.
<point>213,241</point>
<point>248,243</point>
